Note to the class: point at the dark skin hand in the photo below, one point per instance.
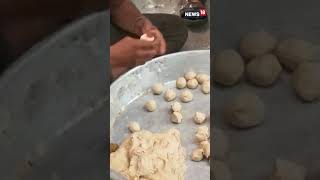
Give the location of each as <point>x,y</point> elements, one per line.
<point>129,51</point>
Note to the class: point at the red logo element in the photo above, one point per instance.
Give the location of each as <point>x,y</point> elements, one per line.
<point>203,12</point>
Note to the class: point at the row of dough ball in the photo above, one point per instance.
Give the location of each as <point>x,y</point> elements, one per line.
<point>203,150</point>
<point>170,95</point>
<point>261,60</point>
<point>176,116</point>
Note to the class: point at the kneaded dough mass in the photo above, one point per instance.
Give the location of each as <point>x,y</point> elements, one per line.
<point>201,78</point>
<point>176,107</point>
<point>264,70</point>
<point>133,126</point>
<point>244,111</point>
<point>199,117</point>
<point>157,88</point>
<point>176,117</point>
<point>181,83</point>
<point>306,81</point>
<point>146,155</point>
<point>228,67</point>
<point>190,75</point>
<point>291,52</point>
<point>205,87</point>
<point>150,105</point>
<point>256,44</point>
<point>186,96</point>
<point>192,83</point>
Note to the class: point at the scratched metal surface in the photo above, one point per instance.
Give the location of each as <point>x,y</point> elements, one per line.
<point>129,92</point>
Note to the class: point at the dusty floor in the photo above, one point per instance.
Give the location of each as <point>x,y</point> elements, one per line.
<point>199,36</point>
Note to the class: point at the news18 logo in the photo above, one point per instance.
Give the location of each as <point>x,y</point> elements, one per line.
<point>194,14</point>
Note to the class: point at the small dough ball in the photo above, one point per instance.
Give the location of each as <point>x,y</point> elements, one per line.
<point>181,83</point>
<point>205,145</point>
<point>221,145</point>
<point>157,88</point>
<point>176,107</point>
<point>192,84</point>
<point>228,67</point>
<point>197,154</point>
<point>205,88</point>
<point>201,78</point>
<point>113,147</point>
<point>199,117</point>
<point>190,75</point>
<point>264,70</point>
<point>244,111</point>
<point>256,44</point>
<point>202,133</point>
<point>176,117</point>
<point>134,126</point>
<point>170,95</point>
<point>306,81</point>
<point>150,105</point>
<point>145,37</point>
<point>291,52</point>
<point>287,170</point>
<point>186,96</point>
<point>221,171</point>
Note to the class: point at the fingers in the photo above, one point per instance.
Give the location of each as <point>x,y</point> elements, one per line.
<point>159,40</point>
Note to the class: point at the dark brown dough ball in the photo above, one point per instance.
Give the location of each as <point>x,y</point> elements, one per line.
<point>305,80</point>
<point>264,70</point>
<point>256,44</point>
<point>291,52</point>
<point>228,67</point>
<point>244,111</point>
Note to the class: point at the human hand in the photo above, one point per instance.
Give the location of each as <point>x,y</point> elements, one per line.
<point>152,31</point>
<point>129,52</point>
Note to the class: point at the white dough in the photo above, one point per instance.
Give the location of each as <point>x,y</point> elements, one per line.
<point>192,84</point>
<point>256,44</point>
<point>186,96</point>
<point>197,154</point>
<point>170,95</point>
<point>205,145</point>
<point>199,117</point>
<point>181,83</point>
<point>134,126</point>
<point>291,52</point>
<point>201,78</point>
<point>205,87</point>
<point>145,37</point>
<point>202,133</point>
<point>176,117</point>
<point>157,88</point>
<point>176,107</point>
<point>150,105</point>
<point>190,75</point>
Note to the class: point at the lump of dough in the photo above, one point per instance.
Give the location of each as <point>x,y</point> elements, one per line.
<point>150,105</point>
<point>221,171</point>
<point>186,96</point>
<point>221,145</point>
<point>199,117</point>
<point>228,67</point>
<point>197,154</point>
<point>205,88</point>
<point>263,70</point>
<point>170,95</point>
<point>157,88</point>
<point>190,75</point>
<point>291,52</point>
<point>201,78</point>
<point>181,83</point>
<point>145,37</point>
<point>305,80</point>
<point>192,84</point>
<point>202,133</point>
<point>176,117</point>
<point>176,107</point>
<point>147,155</point>
<point>244,111</point>
<point>205,145</point>
<point>256,44</point>
<point>287,170</point>
<point>134,126</point>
